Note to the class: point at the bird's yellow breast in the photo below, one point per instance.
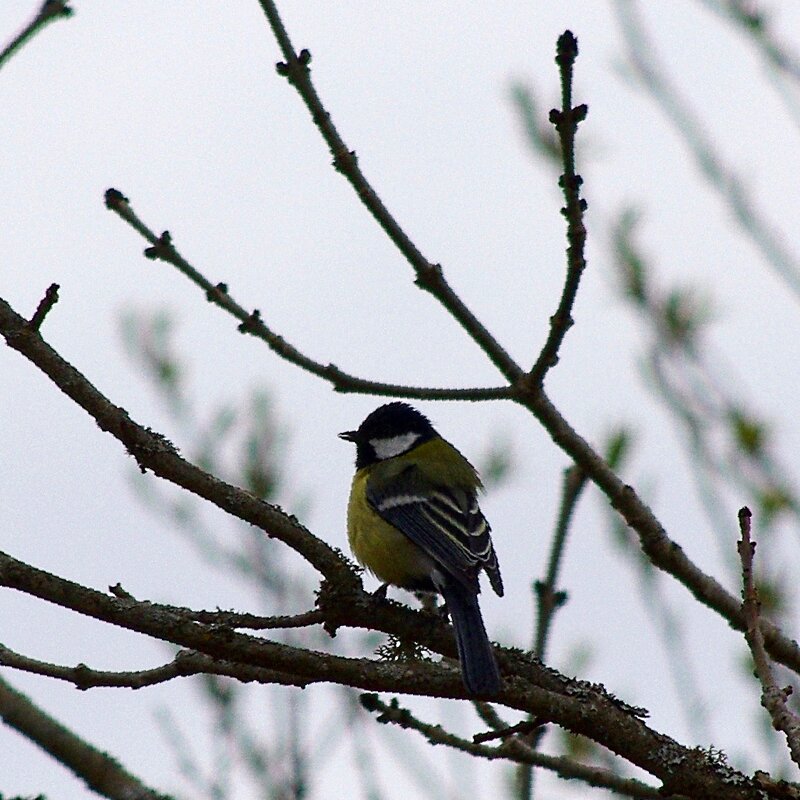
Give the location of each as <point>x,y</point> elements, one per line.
<point>380,547</point>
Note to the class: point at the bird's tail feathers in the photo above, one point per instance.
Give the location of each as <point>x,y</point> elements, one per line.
<point>478,664</point>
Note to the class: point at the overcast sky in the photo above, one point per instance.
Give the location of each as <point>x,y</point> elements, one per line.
<point>178,105</point>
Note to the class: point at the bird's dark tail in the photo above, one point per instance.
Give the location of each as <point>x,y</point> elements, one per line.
<point>478,665</point>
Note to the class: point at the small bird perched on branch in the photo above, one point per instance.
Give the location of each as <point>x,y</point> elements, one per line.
<point>413,520</point>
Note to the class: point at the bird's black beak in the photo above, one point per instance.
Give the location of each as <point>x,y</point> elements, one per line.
<point>348,436</point>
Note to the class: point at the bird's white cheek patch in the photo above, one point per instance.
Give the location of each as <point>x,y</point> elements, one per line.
<point>393,446</point>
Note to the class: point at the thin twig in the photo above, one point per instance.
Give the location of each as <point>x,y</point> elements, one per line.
<point>755,24</point>
<point>429,276</point>
<point>163,249</point>
<point>233,619</point>
<point>185,664</point>
<point>566,123</point>
<point>540,137</point>
<point>773,698</point>
<point>525,727</point>
<point>102,773</point>
<point>548,597</point>
<point>45,304</point>
<point>49,11</point>
<point>727,184</point>
<point>514,750</point>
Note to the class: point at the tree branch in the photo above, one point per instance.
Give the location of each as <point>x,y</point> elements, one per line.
<point>49,11</point>
<point>662,551</point>
<point>429,277</point>
<point>233,619</point>
<point>566,124</point>
<point>530,687</point>
<point>725,182</point>
<point>101,773</point>
<point>549,599</point>
<point>45,305</point>
<point>773,698</point>
<point>185,664</point>
<point>152,451</point>
<point>163,249</point>
<point>515,750</point>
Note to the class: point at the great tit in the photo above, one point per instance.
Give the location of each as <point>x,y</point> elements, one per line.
<point>413,521</point>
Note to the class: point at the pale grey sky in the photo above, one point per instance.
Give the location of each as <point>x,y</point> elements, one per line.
<point>179,106</point>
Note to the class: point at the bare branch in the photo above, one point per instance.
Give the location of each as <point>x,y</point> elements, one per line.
<point>45,304</point>
<point>755,23</point>
<point>721,177</point>
<point>185,664</point>
<point>566,124</point>
<point>578,706</point>
<point>49,11</point>
<point>663,552</point>
<point>233,619</point>
<point>773,698</point>
<point>154,452</point>
<point>548,597</point>
<point>102,773</point>
<point>163,249</point>
<point>515,750</point>
<point>429,276</point>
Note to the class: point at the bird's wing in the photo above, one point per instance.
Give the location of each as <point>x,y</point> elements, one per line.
<point>445,522</point>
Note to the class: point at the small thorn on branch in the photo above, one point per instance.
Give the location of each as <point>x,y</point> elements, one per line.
<point>525,727</point>
<point>43,309</point>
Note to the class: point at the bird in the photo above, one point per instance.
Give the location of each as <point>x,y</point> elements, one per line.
<point>413,520</point>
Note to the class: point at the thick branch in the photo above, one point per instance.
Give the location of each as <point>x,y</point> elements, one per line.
<point>152,451</point>
<point>662,551</point>
<point>97,769</point>
<point>529,687</point>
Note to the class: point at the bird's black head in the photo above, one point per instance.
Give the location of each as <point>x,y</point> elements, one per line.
<point>389,431</point>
